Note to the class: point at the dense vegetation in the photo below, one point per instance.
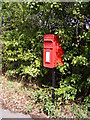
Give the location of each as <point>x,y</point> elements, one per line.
<point>23,27</point>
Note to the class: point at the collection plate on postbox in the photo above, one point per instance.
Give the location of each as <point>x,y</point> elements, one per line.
<point>52,52</point>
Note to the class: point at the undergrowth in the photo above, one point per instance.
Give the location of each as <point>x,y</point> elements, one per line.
<point>60,108</point>
<point>41,99</point>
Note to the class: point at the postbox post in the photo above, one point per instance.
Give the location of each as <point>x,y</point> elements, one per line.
<point>53,85</point>
<point>52,55</point>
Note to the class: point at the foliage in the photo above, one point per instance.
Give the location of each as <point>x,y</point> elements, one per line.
<point>42,98</point>
<point>80,111</point>
<point>23,27</point>
<point>65,92</point>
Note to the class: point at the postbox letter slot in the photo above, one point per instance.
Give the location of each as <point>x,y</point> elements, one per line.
<point>48,40</point>
<point>48,44</point>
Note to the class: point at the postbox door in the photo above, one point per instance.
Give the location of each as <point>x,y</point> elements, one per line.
<point>48,57</point>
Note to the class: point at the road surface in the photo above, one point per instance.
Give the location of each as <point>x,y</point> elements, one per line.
<point>8,114</point>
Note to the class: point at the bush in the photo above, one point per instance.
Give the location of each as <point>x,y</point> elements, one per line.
<point>23,27</point>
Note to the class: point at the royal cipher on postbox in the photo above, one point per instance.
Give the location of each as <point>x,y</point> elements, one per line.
<point>52,52</point>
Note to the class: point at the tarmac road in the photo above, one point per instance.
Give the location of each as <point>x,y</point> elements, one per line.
<point>8,114</point>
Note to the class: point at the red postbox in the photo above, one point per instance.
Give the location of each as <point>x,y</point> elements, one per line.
<point>52,52</point>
